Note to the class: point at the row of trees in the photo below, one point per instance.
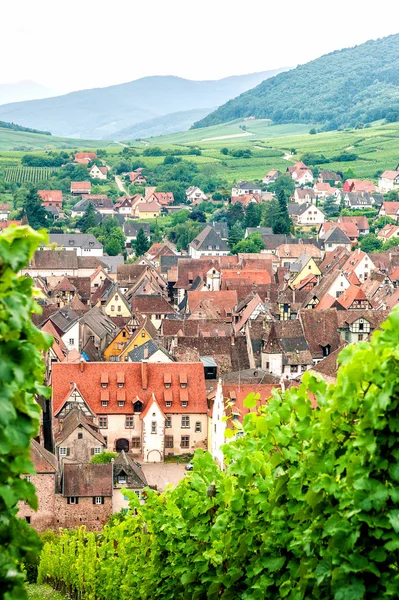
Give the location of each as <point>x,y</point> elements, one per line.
<point>307,506</point>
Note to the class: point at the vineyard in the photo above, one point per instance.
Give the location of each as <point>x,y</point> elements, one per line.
<point>308,506</point>
<point>28,174</point>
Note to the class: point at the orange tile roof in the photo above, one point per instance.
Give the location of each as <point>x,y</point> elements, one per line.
<point>255,276</point>
<point>238,393</point>
<point>54,195</point>
<point>223,301</point>
<point>142,380</point>
<point>351,294</point>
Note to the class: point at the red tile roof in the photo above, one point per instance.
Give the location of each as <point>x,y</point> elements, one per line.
<point>43,461</point>
<point>52,195</point>
<point>154,305</point>
<point>85,155</point>
<point>351,294</point>
<point>87,379</point>
<point>80,185</point>
<point>391,208</point>
<point>246,199</point>
<point>223,301</point>
<point>257,277</point>
<point>238,393</point>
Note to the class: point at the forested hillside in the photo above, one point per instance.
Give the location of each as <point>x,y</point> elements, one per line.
<point>344,88</point>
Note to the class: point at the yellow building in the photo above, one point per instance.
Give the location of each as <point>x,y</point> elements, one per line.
<point>116,346</point>
<point>116,304</point>
<point>302,268</point>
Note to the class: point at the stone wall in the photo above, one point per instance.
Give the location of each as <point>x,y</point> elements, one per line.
<point>45,490</point>
<point>93,516</point>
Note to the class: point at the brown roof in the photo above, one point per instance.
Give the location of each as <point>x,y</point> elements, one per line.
<point>85,480</point>
<point>223,301</point>
<point>328,367</point>
<point>320,328</point>
<point>74,419</point>
<point>151,305</point>
<point>43,461</point>
<point>53,195</point>
<point>295,250</point>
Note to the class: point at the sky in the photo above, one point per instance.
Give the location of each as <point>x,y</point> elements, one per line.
<point>82,44</point>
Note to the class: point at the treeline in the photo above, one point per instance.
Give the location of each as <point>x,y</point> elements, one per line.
<point>15,127</point>
<point>307,506</point>
<point>50,159</point>
<point>344,88</point>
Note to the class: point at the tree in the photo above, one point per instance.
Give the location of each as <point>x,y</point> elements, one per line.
<point>22,348</point>
<point>113,247</point>
<point>141,243</point>
<point>235,214</point>
<point>251,244</point>
<point>105,457</point>
<point>88,220</point>
<point>313,131</point>
<point>197,215</point>
<point>370,243</point>
<point>180,217</point>
<point>284,182</point>
<point>36,214</point>
<point>224,151</point>
<point>349,174</point>
<point>253,215</point>
<point>283,222</point>
<point>330,207</point>
<point>236,234</point>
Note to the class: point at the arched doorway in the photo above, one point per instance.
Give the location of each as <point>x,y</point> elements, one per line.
<point>154,456</point>
<point>122,444</point>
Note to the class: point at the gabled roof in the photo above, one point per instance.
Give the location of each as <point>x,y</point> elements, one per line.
<point>146,350</point>
<point>351,294</point>
<point>80,185</point>
<point>236,394</point>
<point>208,237</point>
<point>64,319</point>
<point>43,461</point>
<point>152,305</point>
<point>52,195</point>
<point>131,229</point>
<point>99,323</point>
<point>85,479</point>
<point>75,240</point>
<point>135,477</point>
<point>74,419</point>
<point>222,301</point>
<point>303,193</point>
<point>320,328</point>
<point>335,235</point>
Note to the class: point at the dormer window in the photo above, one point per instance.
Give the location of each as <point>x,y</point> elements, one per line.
<point>104,385</point>
<point>120,385</point>
<point>183,380</point>
<point>122,477</point>
<point>121,403</point>
<point>104,403</point>
<point>138,406</point>
<point>184,403</point>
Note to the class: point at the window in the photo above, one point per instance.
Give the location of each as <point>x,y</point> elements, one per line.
<point>294,369</point>
<point>361,326</point>
<point>104,403</point>
<point>168,421</point>
<point>119,308</point>
<point>158,317</point>
<point>98,500</point>
<point>185,422</point>
<point>71,341</point>
<point>27,519</point>
<point>184,403</point>
<point>73,500</point>
<point>62,451</point>
<point>153,426</point>
<point>360,337</point>
<point>97,450</point>
<point>122,477</point>
<point>104,385</point>
<point>121,403</point>
<point>116,298</point>
<point>143,335</point>
<point>28,478</point>
<point>198,427</point>
<point>136,442</point>
<point>120,385</point>
<point>113,307</point>
<point>185,441</point>
<point>129,423</point>
<point>168,441</point>
<point>103,422</point>
<point>80,435</point>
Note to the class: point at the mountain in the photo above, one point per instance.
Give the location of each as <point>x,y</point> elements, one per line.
<point>344,88</point>
<point>23,90</point>
<point>101,112</point>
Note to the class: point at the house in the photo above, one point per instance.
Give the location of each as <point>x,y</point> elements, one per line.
<point>334,238</point>
<point>305,215</point>
<point>300,173</point>
<point>261,230</point>
<point>138,335</point>
<point>80,187</point>
<point>388,181</point>
<point>289,253</point>
<point>114,303</point>
<point>128,474</point>
<point>98,278</point>
<point>96,331</point>
<point>271,177</point>
<point>98,172</point>
<point>358,200</point>
<point>349,228</point>
<point>86,496</point>
<point>360,264</point>
<point>356,326</point>
<point>124,206</point>
<point>85,157</point>
<point>285,352</point>
<point>329,177</point>
<point>221,304</point>
<point>79,439</point>
<point>194,194</point>
<point>85,244</point>
<point>245,187</point>
<point>302,268</point>
<point>131,229</point>
<point>361,223</point>
<point>150,409</point>
<point>208,243</point>
<point>150,351</point>
<point>330,287</point>
<point>44,479</point>
<point>388,232</point>
<point>228,410</point>
<point>246,199</point>
<point>147,210</point>
<point>66,324</point>
<point>389,209</point>
<point>4,211</point>
<point>359,185</point>
<point>353,298</point>
<point>61,262</point>
<point>50,198</point>
<point>305,196</point>
<point>156,308</point>
<point>324,190</point>
<point>162,198</point>
<point>136,177</point>
<point>320,329</point>
<point>101,203</point>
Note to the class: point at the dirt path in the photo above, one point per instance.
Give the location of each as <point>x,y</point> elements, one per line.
<point>288,156</point>
<point>120,185</point>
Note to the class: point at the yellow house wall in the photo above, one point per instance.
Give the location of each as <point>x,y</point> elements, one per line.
<point>112,349</point>
<point>139,339</point>
<point>310,267</point>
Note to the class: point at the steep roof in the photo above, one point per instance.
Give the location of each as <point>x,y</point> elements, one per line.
<point>154,305</point>
<point>85,479</point>
<point>75,240</point>
<point>64,319</point>
<point>99,323</point>
<point>351,294</point>
<point>135,477</point>
<point>223,301</point>
<point>43,461</point>
<point>146,350</point>
<point>52,195</point>
<point>74,419</point>
<point>208,237</point>
<point>335,235</point>
<point>320,328</point>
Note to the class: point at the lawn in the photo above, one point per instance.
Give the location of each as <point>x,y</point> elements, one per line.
<point>42,592</point>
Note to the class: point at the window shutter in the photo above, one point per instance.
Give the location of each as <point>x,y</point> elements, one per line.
<point>92,451</point>
<point>94,499</point>
<point>77,500</point>
<point>68,451</point>
<point>102,500</point>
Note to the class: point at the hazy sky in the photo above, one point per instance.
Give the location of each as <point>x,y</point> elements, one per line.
<point>85,43</point>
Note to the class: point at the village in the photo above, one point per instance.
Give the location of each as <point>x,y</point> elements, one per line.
<point>156,349</point>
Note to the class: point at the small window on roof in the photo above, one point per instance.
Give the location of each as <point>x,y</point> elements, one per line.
<point>183,380</point>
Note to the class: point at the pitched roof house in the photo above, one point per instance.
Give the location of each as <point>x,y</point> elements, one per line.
<point>305,214</point>
<point>388,181</point>
<point>305,196</point>
<point>208,243</point>
<point>80,187</point>
<point>358,185</point>
<point>51,197</point>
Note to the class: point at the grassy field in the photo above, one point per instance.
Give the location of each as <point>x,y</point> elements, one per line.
<point>377,147</point>
<point>42,592</point>
<point>20,140</point>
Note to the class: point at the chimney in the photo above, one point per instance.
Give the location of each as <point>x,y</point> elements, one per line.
<point>146,353</point>
<point>82,364</point>
<point>144,375</point>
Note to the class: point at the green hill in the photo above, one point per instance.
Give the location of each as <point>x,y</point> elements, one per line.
<point>346,87</point>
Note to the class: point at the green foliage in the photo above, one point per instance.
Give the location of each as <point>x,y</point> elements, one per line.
<point>236,234</point>
<point>104,457</point>
<point>331,207</point>
<point>50,159</point>
<point>88,220</point>
<point>282,222</point>
<point>350,87</point>
<point>197,215</point>
<point>284,182</point>
<point>307,507</point>
<point>253,215</point>
<point>313,131</point>
<point>110,234</point>
<point>370,243</point>
<point>15,127</point>
<point>22,373</point>
<point>251,244</point>
<point>141,243</point>
<point>36,214</point>
<point>183,234</point>
<point>235,214</point>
